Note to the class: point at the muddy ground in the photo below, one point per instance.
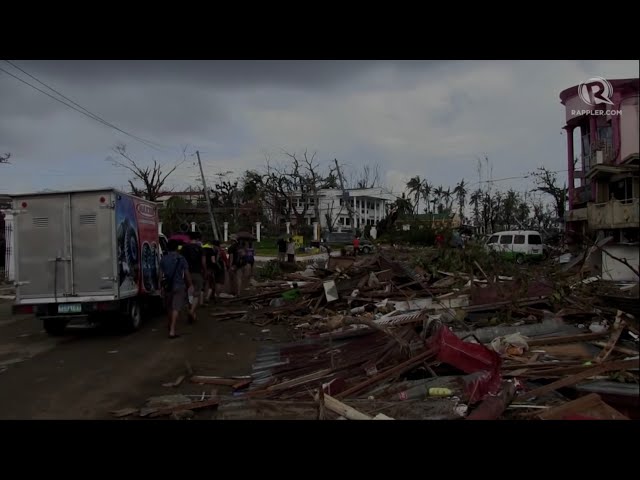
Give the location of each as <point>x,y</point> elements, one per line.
<point>89,372</point>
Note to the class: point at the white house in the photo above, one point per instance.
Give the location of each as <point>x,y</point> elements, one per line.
<point>369,206</point>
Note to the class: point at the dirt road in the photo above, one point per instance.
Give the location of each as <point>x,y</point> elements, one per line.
<point>87,373</point>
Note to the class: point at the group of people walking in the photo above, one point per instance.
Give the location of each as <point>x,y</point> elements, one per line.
<point>195,272</point>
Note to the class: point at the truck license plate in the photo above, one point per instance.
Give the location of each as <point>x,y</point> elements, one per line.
<point>70,308</point>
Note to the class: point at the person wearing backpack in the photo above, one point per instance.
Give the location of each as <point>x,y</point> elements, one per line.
<point>175,280</point>
<point>195,257</point>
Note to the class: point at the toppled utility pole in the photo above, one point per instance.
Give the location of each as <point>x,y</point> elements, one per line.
<point>214,226</point>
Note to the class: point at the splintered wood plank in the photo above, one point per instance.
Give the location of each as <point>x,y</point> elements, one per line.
<point>185,406</point>
<point>578,377</point>
<point>569,350</point>
<point>342,409</point>
<point>582,337</point>
<point>204,379</point>
<point>590,405</point>
<point>615,336</point>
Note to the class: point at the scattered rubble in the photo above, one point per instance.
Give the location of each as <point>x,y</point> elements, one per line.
<point>392,336</point>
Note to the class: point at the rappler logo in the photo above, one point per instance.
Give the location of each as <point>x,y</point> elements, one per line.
<point>596,91</point>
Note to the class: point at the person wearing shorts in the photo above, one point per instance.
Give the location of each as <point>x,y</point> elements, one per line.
<point>175,282</point>
<point>195,257</point>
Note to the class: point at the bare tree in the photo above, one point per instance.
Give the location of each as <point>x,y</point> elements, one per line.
<point>152,177</point>
<point>368,177</point>
<point>309,179</point>
<point>5,158</point>
<point>547,183</point>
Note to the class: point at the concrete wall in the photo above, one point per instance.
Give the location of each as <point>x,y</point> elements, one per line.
<point>629,127</point>
<point>617,271</point>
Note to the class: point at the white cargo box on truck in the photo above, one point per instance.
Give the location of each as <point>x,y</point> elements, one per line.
<point>84,252</point>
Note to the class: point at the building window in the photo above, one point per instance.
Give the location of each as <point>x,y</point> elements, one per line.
<point>621,190</point>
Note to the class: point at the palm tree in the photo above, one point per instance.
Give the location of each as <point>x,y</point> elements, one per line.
<point>426,193</point>
<point>461,192</point>
<point>438,192</point>
<point>476,198</point>
<point>447,198</point>
<point>414,185</point>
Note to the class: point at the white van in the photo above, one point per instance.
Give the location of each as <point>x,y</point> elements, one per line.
<point>519,245</point>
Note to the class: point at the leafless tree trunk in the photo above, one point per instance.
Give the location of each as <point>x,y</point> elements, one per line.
<point>368,177</point>
<point>310,181</point>
<point>153,178</point>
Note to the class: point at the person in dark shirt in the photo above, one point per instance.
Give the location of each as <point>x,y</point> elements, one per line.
<point>237,256</point>
<point>249,257</point>
<point>282,249</point>
<point>195,257</point>
<point>221,265</point>
<point>175,282</point>
<point>210,254</point>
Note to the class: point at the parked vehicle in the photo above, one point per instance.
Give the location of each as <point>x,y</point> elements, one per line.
<point>80,254</point>
<point>344,240</point>
<point>519,245</point>
<point>366,247</point>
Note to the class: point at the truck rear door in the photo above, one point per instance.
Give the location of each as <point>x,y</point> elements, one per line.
<point>42,257</point>
<point>92,237</point>
<point>65,246</point>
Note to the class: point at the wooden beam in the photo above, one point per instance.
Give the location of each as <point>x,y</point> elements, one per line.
<point>185,406</point>
<point>340,408</point>
<point>399,369</point>
<point>582,337</point>
<point>578,377</point>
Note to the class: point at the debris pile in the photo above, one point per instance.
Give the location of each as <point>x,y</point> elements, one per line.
<point>385,337</point>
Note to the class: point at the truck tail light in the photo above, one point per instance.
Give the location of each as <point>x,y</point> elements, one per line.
<point>23,309</point>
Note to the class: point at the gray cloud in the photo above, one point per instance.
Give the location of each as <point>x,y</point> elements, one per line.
<point>431,119</point>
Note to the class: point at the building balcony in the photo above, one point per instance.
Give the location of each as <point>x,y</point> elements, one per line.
<point>614,214</point>
<point>576,215</point>
<point>581,196</point>
<point>604,172</point>
<point>602,153</point>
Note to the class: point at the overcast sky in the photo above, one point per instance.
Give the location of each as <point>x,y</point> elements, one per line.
<point>427,118</point>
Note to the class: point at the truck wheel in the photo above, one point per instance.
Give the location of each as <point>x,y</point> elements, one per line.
<point>55,326</point>
<point>366,250</point>
<point>134,316</point>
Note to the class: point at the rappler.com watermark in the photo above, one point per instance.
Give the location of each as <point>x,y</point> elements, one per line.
<point>596,91</point>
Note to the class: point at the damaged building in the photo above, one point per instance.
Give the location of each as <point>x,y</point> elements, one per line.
<point>603,162</point>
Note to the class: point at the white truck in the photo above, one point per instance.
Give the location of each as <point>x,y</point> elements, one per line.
<point>86,255</point>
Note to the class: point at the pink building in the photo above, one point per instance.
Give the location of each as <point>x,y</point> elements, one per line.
<point>602,159</point>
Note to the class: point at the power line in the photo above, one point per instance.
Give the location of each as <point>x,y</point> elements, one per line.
<point>84,111</point>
